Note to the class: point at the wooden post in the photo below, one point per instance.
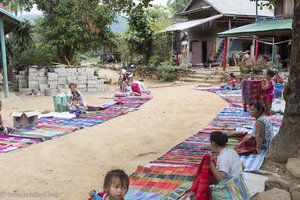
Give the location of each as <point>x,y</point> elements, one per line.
<point>4,64</point>
<point>225,53</point>
<point>256,49</point>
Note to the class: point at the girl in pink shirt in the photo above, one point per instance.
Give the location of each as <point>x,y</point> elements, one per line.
<point>268,89</point>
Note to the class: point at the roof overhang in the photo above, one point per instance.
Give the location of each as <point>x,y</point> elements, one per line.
<point>10,21</point>
<point>194,10</point>
<point>191,23</point>
<point>262,28</point>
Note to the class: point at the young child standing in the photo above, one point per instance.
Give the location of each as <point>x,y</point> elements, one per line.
<point>233,81</point>
<point>268,89</point>
<point>116,183</point>
<point>123,80</point>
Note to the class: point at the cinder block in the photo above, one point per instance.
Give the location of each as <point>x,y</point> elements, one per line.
<point>81,70</point>
<point>25,91</point>
<point>52,76</point>
<point>31,74</point>
<point>32,70</point>
<point>33,84</point>
<point>52,82</point>
<point>92,89</point>
<point>92,85</point>
<point>21,77</point>
<point>80,86</point>
<point>100,82</point>
<point>83,90</point>
<point>61,86</point>
<point>43,82</point>
<point>92,81</point>
<point>42,87</point>
<point>73,81</point>
<point>63,90</point>
<point>60,69</point>
<point>42,70</point>
<point>52,86</point>
<point>72,70</point>
<point>62,80</point>
<point>82,81</point>
<point>22,83</point>
<point>41,74</point>
<point>81,77</point>
<point>32,78</point>
<point>90,70</point>
<point>92,77</point>
<point>22,73</point>
<point>42,78</point>
<point>62,74</point>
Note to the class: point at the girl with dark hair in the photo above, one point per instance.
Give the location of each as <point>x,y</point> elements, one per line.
<point>263,130</point>
<point>116,183</point>
<point>228,161</point>
<point>268,89</point>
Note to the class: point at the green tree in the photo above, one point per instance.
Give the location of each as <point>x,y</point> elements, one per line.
<point>73,25</point>
<point>144,28</point>
<point>178,5</point>
<point>68,27</point>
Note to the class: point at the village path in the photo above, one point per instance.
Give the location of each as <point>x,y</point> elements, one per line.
<point>70,166</point>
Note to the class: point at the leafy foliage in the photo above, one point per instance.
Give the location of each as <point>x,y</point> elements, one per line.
<point>178,5</point>
<point>167,71</point>
<point>144,29</point>
<point>72,25</point>
<point>270,3</point>
<point>22,36</point>
<point>70,28</point>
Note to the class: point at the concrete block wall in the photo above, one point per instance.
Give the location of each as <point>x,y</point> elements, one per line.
<point>59,79</point>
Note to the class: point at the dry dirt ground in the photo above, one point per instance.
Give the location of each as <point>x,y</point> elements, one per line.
<point>70,166</point>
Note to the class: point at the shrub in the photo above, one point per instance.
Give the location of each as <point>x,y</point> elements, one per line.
<point>255,68</point>
<point>167,71</point>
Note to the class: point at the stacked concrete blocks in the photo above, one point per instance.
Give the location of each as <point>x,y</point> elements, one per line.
<point>59,79</point>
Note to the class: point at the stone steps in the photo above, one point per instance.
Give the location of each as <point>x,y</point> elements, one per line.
<point>201,85</point>
<point>190,79</point>
<point>196,75</point>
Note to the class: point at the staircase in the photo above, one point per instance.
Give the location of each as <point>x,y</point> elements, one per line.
<point>204,77</point>
<point>220,50</point>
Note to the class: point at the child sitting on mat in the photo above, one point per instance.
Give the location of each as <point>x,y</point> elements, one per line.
<point>77,103</point>
<point>116,183</point>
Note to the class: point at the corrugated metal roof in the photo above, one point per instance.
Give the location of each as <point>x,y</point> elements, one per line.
<point>192,23</point>
<point>259,28</point>
<point>239,7</point>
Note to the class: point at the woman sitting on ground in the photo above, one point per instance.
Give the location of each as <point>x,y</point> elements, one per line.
<point>228,161</point>
<point>138,88</point>
<point>263,129</point>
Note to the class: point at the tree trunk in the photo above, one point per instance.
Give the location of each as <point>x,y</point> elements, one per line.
<point>66,54</point>
<point>287,142</point>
